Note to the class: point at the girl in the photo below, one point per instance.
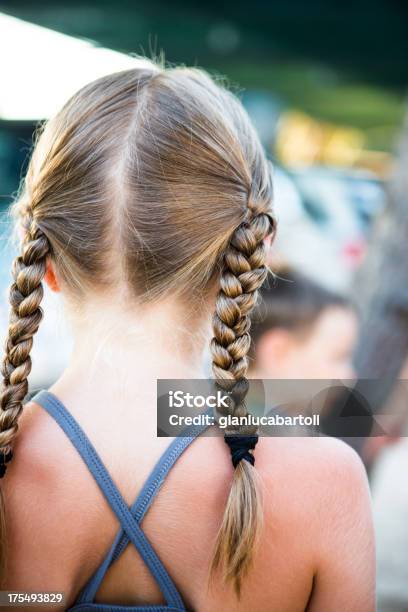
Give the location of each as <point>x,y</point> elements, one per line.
<point>147,205</point>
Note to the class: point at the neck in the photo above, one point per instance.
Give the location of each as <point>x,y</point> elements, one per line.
<point>125,346</point>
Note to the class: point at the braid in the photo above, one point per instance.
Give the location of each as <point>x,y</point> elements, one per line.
<point>26,294</point>
<point>25,297</point>
<point>243,273</point>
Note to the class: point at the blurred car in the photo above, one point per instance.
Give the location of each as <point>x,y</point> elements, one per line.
<point>324,218</point>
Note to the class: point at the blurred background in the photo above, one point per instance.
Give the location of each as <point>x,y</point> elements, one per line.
<point>325,84</point>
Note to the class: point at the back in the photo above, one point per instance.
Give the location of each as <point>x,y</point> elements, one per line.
<point>307,529</point>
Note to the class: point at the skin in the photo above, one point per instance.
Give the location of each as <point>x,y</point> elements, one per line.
<point>316,552</point>
<point>323,351</point>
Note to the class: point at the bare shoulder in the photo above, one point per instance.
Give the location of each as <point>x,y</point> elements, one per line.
<point>311,462</point>
<point>317,521</point>
<point>316,491</point>
<point>322,476</point>
<point>39,484</point>
<point>316,473</point>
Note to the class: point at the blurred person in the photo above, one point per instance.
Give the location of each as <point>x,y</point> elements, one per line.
<point>146,204</point>
<point>302,330</point>
<point>390,507</point>
<point>390,502</point>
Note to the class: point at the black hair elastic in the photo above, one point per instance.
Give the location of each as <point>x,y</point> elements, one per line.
<point>4,458</point>
<point>240,447</point>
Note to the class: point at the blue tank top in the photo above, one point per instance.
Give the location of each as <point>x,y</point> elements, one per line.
<point>129,518</point>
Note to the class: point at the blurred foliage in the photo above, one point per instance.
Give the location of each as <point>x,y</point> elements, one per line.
<point>365,37</point>
<point>343,62</point>
<point>322,93</point>
<point>16,139</point>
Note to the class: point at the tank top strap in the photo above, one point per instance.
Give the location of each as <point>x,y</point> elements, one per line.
<point>128,523</point>
<point>143,502</point>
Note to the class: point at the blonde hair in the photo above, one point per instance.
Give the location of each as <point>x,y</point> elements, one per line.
<point>158,175</point>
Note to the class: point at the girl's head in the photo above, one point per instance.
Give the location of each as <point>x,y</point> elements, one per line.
<point>149,183</point>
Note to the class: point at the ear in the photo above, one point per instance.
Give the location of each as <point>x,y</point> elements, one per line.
<point>268,241</point>
<point>274,346</point>
<point>50,277</point>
